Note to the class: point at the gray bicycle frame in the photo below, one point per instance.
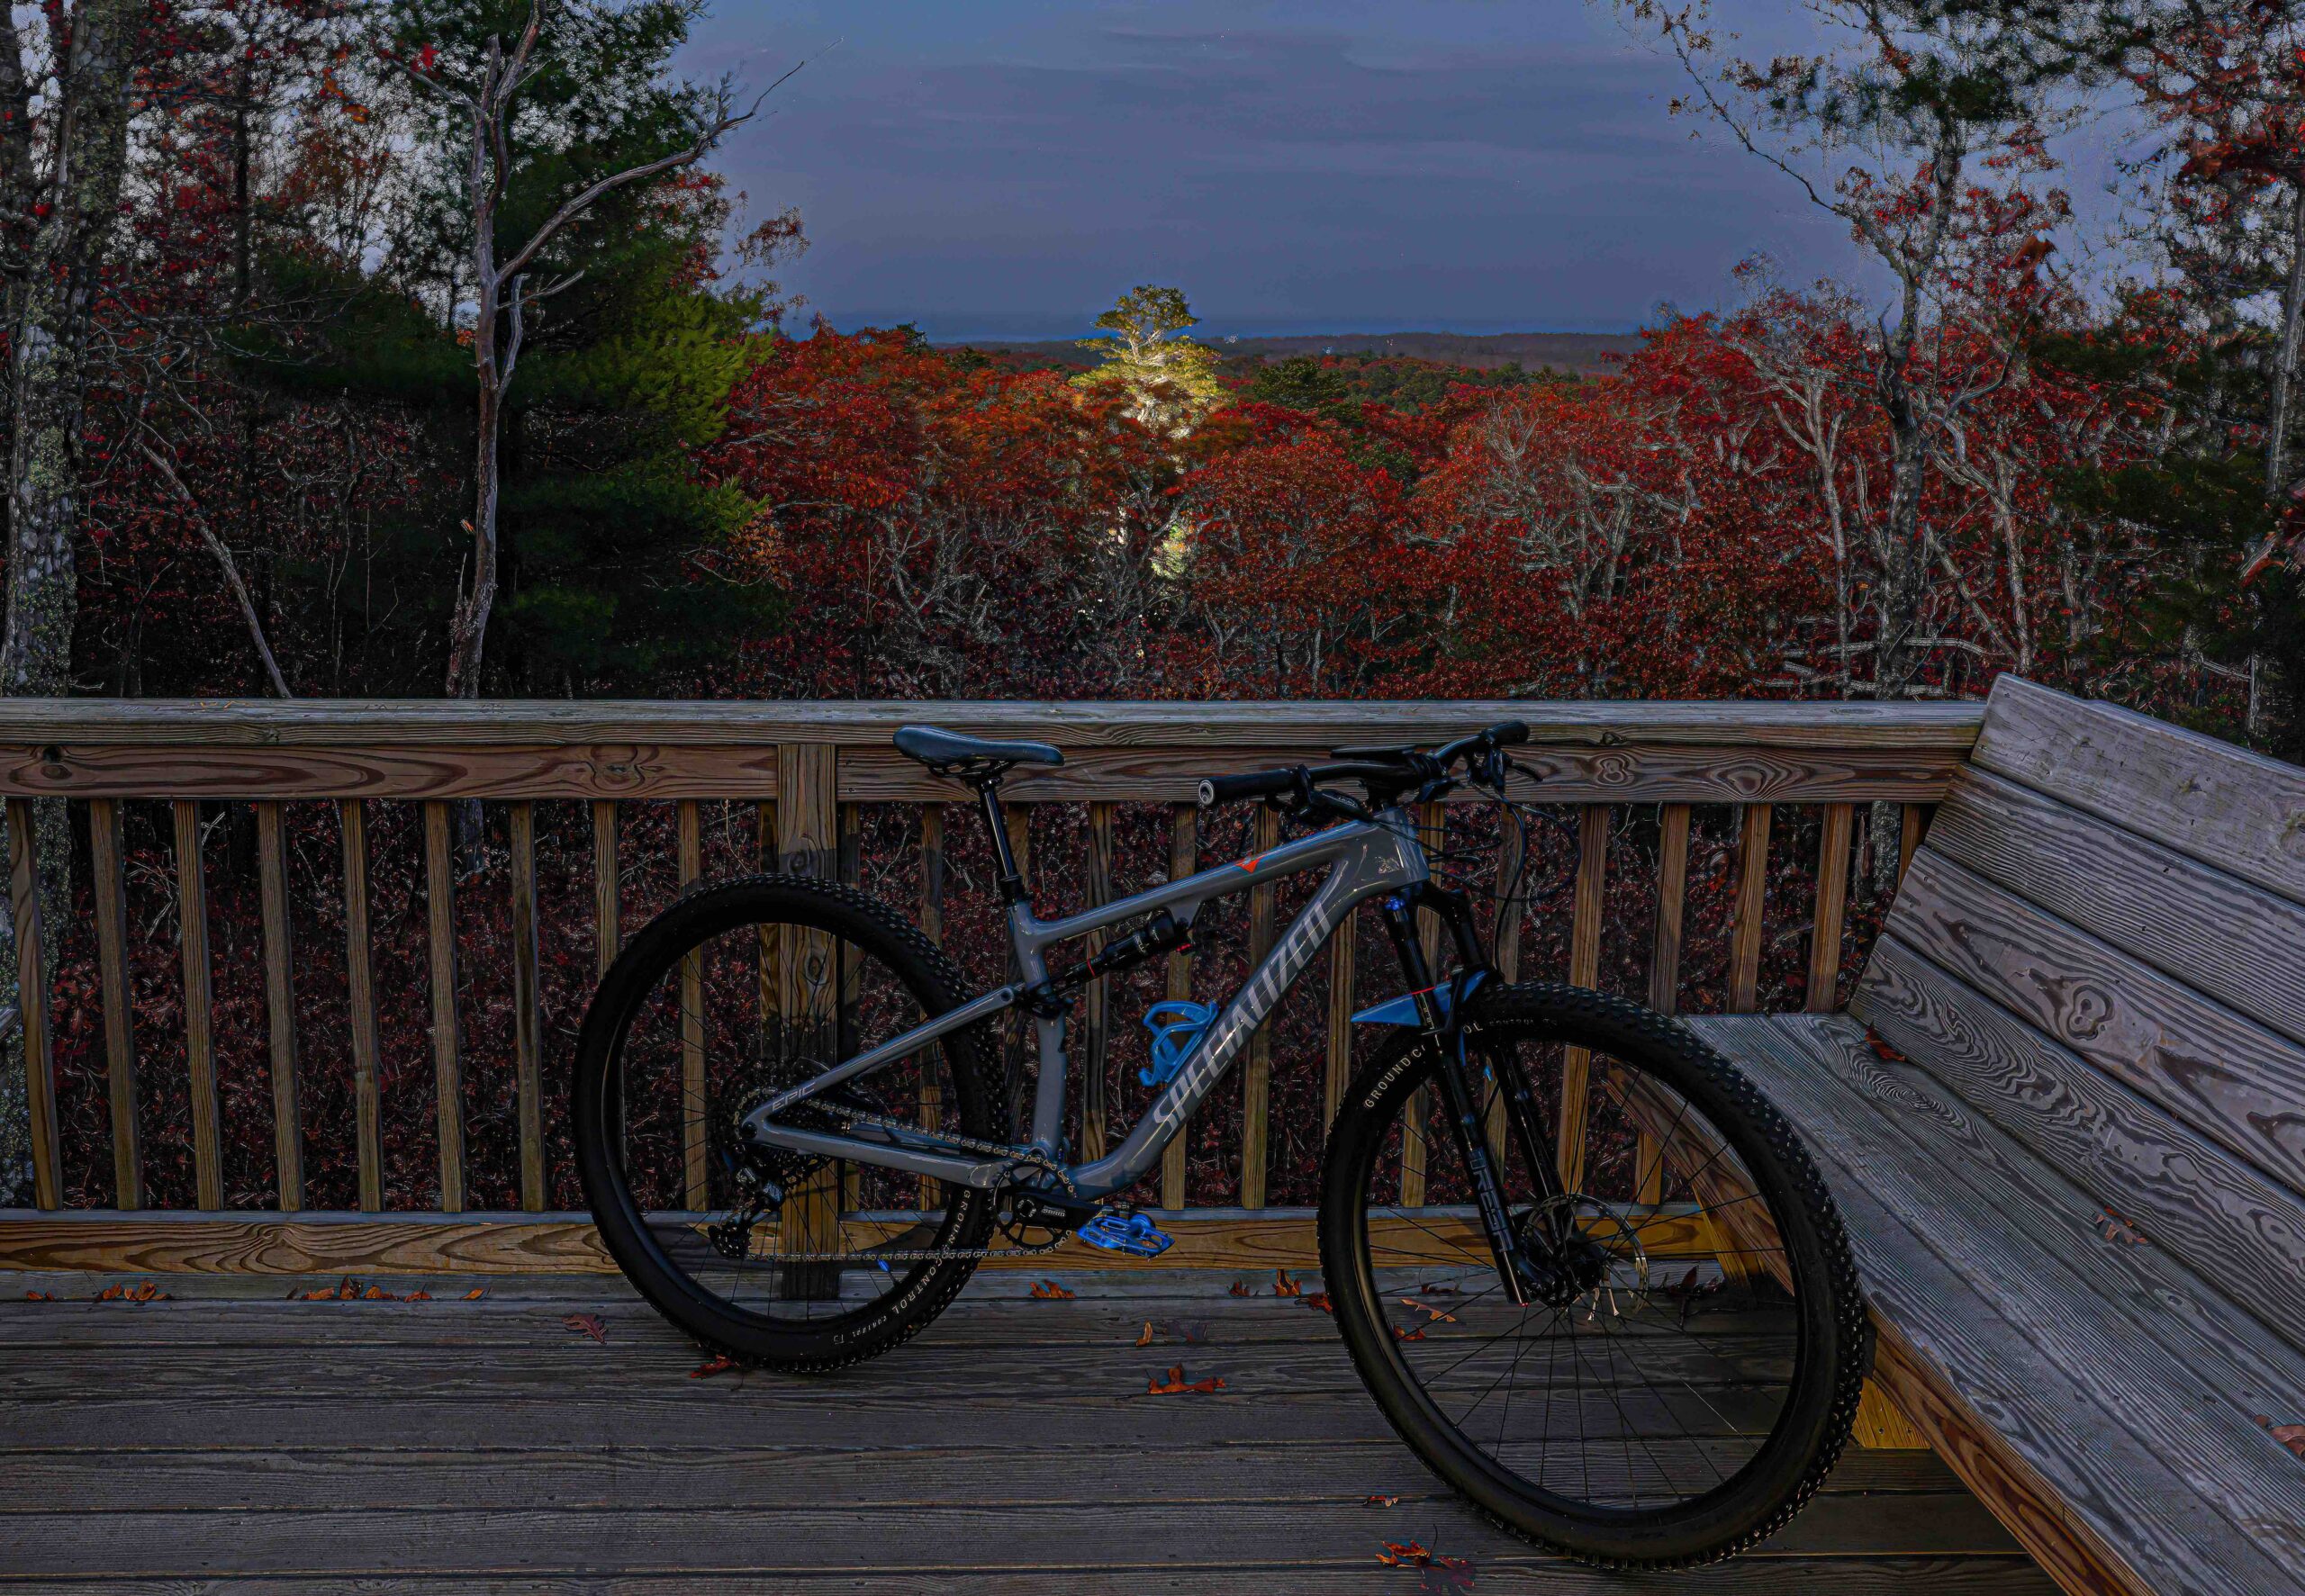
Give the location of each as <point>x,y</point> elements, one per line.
<point>1364,859</point>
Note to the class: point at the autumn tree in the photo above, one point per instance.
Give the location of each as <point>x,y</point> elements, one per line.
<point>1170,379</point>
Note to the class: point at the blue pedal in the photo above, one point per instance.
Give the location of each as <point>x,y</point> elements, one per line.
<point>1131,1233</point>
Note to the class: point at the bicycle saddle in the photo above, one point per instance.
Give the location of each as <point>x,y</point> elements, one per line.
<point>951,750</point>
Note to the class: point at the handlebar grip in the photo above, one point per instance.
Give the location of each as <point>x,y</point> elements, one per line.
<point>1253,784</point>
<point>1506,734</point>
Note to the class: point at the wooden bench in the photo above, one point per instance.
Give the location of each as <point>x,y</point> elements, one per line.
<point>2064,1119</point>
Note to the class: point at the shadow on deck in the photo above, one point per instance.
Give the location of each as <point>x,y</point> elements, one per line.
<point>226,1437</point>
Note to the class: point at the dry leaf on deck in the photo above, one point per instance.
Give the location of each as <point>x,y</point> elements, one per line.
<point>1147,1339</point>
<point>1401,1335</point>
<point>1320,1299</point>
<point>40,1296</point>
<point>1240,1288</point>
<point>1439,1317</point>
<point>1177,1385</point>
<point>2291,1436</point>
<point>1049,1291</point>
<point>474,1294</point>
<point>587,1324</point>
<point>721,1365</point>
<point>1283,1287</point>
<point>1382,1502</point>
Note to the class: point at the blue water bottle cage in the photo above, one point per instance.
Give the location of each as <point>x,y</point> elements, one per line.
<point>1175,1023</point>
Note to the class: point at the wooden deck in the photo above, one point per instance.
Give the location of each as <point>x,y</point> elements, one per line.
<point>228,1438</point>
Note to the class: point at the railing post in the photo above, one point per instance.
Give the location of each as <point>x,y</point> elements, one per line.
<point>280,1006</point>
<point>1097,1019</point>
<point>1184,850</point>
<point>1584,970</point>
<point>120,1029</point>
<point>1256,1077</point>
<point>694,1170</point>
<point>360,1003</point>
<point>1664,969</point>
<point>199,1008</point>
<point>807,818</point>
<point>31,1003</point>
<point>1745,934</point>
<point>1832,907</point>
<point>447,1068</point>
<point>527,1044</point>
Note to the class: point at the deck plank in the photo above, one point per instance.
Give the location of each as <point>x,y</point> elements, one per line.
<point>222,1441</point>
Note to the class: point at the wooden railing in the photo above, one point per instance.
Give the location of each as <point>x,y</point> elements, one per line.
<point>806,773</point>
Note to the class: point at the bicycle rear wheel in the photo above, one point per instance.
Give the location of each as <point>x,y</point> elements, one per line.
<point>1692,1378</point>
<point>732,994</point>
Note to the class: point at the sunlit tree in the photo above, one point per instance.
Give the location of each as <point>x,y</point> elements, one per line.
<point>1170,380</point>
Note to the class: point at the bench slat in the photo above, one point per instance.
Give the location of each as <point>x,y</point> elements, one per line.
<point>2222,805</point>
<point>2218,1073</point>
<point>2240,943</point>
<point>2006,1295</point>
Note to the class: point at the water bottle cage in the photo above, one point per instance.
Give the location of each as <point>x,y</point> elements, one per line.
<point>1176,1025</point>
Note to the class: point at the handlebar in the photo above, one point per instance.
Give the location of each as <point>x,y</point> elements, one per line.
<point>1390,771</point>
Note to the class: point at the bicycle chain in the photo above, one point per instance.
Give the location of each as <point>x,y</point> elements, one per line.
<point>1031,1157</point>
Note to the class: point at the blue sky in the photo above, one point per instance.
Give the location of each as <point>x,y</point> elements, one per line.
<point>1006,167</point>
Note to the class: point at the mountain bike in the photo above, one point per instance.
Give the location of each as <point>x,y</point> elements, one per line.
<point>1588,1272</point>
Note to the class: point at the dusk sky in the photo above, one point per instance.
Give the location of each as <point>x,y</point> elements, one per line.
<point>1006,167</point>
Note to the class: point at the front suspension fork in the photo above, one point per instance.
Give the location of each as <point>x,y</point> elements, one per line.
<point>1442,1027</point>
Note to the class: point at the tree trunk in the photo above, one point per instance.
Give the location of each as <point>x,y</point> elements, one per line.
<point>64,260</point>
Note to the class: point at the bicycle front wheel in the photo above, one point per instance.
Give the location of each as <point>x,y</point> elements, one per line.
<point>1683,1384</point>
<point>732,994</point>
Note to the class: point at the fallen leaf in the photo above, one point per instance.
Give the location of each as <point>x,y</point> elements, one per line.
<point>1283,1287</point>
<point>721,1365</point>
<point>1049,1291</point>
<point>588,1325</point>
<point>1438,1316</point>
<point>377,1293</point>
<point>1320,1299</point>
<point>2291,1436</point>
<point>1240,1288</point>
<point>2114,1228</point>
<point>1382,1502</point>
<point>1416,1554</point>
<point>1401,1335</point>
<point>417,1297</point>
<point>142,1292</point>
<point>1147,1339</point>
<point>1177,1385</point>
<point>474,1294</point>
<point>40,1296</point>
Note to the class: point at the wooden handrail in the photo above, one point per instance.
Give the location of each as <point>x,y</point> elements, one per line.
<point>806,767</point>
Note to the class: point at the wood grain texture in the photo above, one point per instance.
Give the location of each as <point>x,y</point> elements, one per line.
<point>1256,1073</point>
<point>31,1006</point>
<point>1825,925</point>
<point>120,1022</point>
<point>1672,904</point>
<point>1096,1021</point>
<point>280,1004</point>
<point>184,1242</point>
<point>447,1065</point>
<point>1627,771</point>
<point>360,1003</point>
<point>2239,811</point>
<point>933,868</point>
<point>2218,1072</point>
<point>1913,825</point>
<point>807,844</point>
<point>1184,859</point>
<point>2237,943</point>
<point>425,723</point>
<point>688,828</point>
<point>199,1006</point>
<point>1989,1266</point>
<point>2184,1195</point>
<point>1584,970</point>
<point>608,921</point>
<point>1746,928</point>
<point>528,1025</point>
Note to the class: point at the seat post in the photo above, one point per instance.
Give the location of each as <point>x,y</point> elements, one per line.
<point>988,792</point>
